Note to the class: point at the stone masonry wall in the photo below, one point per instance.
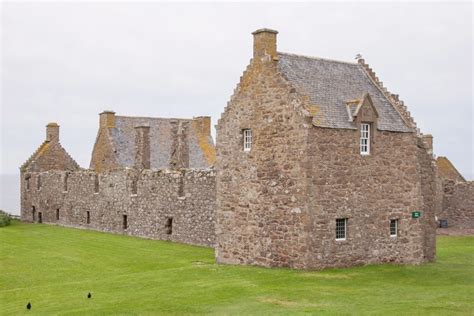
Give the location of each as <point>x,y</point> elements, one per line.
<point>152,200</point>
<point>262,194</point>
<point>369,191</point>
<point>458,204</point>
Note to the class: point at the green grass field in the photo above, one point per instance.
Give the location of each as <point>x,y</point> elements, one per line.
<point>55,268</point>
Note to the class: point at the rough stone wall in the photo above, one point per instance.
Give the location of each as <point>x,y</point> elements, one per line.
<point>262,194</point>
<point>186,196</point>
<point>369,191</point>
<point>458,204</point>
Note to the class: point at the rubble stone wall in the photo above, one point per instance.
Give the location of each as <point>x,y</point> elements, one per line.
<point>368,191</point>
<point>458,204</point>
<point>262,194</point>
<point>176,205</point>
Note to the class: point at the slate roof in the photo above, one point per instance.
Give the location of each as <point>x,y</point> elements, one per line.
<point>331,84</point>
<point>161,139</point>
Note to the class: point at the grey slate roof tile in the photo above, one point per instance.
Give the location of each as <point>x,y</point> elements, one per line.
<point>161,138</point>
<point>330,84</point>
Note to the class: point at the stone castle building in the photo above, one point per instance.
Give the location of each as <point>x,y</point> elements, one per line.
<point>316,165</point>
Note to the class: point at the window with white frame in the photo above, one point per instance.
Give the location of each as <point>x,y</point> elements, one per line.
<point>393,227</point>
<point>247,139</point>
<point>341,228</point>
<point>364,139</point>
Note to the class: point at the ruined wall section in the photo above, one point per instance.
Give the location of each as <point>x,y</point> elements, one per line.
<point>175,205</point>
<point>368,190</point>
<point>458,204</point>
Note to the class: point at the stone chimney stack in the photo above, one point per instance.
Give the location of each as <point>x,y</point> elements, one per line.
<point>107,119</point>
<point>203,125</point>
<point>142,147</point>
<point>428,140</point>
<point>264,44</point>
<point>179,147</point>
<point>52,132</point>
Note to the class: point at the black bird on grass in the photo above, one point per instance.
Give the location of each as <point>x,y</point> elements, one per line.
<point>28,306</point>
<point>89,295</point>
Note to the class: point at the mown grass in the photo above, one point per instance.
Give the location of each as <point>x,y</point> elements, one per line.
<point>54,268</point>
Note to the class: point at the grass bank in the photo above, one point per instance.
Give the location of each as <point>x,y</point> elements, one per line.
<point>54,268</point>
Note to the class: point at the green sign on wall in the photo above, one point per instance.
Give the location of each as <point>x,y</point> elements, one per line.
<point>416,214</point>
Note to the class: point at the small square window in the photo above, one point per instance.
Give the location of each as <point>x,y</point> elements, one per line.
<point>247,139</point>
<point>393,227</point>
<point>341,228</point>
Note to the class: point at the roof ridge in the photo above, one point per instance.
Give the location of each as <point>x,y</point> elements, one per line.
<point>319,58</point>
<point>155,118</point>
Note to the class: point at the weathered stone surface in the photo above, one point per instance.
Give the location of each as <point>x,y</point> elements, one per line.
<point>277,204</point>
<point>458,204</point>
<point>187,196</point>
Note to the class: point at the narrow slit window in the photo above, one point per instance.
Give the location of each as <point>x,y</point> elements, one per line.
<point>40,217</point>
<point>169,225</point>
<point>96,183</point>
<point>66,176</point>
<point>38,182</point>
<point>393,227</point>
<point>88,217</point>
<point>57,214</point>
<point>364,139</point>
<point>247,139</point>
<point>33,212</point>
<point>134,186</point>
<point>341,228</point>
<point>124,222</point>
<point>27,180</point>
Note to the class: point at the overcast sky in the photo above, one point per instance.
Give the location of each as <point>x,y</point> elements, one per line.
<point>67,62</point>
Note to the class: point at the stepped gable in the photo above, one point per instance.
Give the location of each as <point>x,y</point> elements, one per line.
<point>50,155</point>
<point>200,147</point>
<point>331,84</point>
<point>447,171</point>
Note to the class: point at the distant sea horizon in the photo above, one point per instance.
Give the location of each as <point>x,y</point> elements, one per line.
<point>10,193</point>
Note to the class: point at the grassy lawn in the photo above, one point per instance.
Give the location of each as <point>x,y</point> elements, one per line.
<point>55,268</point>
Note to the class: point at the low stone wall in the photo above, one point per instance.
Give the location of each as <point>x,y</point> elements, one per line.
<point>176,205</point>
<point>458,204</point>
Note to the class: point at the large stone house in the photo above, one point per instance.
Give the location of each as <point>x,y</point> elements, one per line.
<point>316,165</point>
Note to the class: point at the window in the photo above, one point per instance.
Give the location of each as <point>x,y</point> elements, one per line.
<point>40,217</point>
<point>124,222</point>
<point>66,175</point>
<point>57,214</point>
<point>393,227</point>
<point>33,213</point>
<point>364,139</point>
<point>96,183</point>
<point>169,225</point>
<point>134,187</point>
<point>27,179</point>
<point>341,228</point>
<point>38,182</point>
<point>247,139</point>
<point>88,217</point>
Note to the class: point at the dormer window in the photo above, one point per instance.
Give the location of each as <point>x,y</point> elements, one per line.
<point>364,138</point>
<point>247,139</point>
